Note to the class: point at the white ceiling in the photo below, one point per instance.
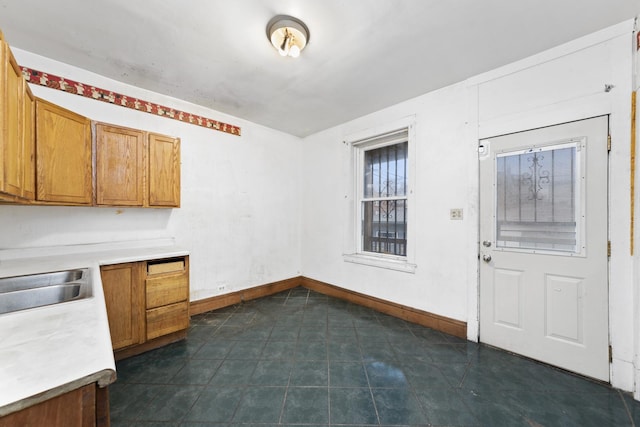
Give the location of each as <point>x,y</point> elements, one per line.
<point>363,55</point>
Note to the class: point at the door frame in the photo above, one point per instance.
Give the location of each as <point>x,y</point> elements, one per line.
<point>624,298</point>
<point>608,225</point>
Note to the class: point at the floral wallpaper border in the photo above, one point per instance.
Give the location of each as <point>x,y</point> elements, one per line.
<point>70,86</point>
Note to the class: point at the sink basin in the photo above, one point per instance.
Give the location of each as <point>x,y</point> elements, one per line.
<point>37,290</point>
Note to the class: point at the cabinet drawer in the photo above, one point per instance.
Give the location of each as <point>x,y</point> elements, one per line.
<point>167,290</point>
<point>165,266</point>
<point>167,319</point>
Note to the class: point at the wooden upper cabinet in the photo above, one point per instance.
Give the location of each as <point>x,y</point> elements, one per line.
<point>135,168</point>
<point>12,122</point>
<point>164,171</point>
<point>63,155</point>
<point>46,154</point>
<point>29,138</point>
<point>121,155</point>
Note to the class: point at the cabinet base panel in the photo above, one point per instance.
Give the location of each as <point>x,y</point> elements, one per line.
<point>150,345</point>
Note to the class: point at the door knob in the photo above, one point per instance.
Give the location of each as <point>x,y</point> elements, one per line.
<point>486,258</point>
<point>486,243</point>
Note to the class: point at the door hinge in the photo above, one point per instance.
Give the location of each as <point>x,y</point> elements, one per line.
<point>609,143</point>
<point>610,354</point>
<point>609,249</point>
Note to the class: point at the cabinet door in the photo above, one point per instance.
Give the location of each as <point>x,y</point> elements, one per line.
<point>120,165</point>
<point>76,408</point>
<point>29,140</point>
<point>164,171</point>
<point>123,286</point>
<point>11,144</point>
<point>63,155</point>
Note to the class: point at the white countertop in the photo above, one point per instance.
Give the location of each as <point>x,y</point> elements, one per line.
<point>46,350</point>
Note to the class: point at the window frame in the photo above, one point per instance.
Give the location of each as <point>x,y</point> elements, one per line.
<point>358,144</point>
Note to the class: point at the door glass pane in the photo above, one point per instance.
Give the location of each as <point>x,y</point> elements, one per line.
<point>537,199</point>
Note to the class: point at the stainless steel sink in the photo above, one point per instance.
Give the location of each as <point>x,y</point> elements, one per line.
<point>37,290</point>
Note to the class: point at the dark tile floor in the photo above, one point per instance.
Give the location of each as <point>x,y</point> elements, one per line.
<point>300,358</point>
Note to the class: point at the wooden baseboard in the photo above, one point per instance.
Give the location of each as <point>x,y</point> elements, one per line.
<point>440,323</point>
<point>221,301</point>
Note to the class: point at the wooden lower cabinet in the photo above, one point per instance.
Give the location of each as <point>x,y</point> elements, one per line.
<point>86,406</point>
<point>147,303</point>
<point>123,286</point>
<point>167,296</point>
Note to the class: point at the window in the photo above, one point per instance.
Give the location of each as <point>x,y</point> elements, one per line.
<point>383,205</point>
<point>381,214</point>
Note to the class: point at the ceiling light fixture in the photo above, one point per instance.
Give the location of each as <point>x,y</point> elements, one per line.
<point>288,35</point>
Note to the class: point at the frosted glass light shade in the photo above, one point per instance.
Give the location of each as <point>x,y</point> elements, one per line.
<point>288,35</point>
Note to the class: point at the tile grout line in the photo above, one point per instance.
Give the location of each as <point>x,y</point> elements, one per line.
<point>410,384</point>
<point>293,362</point>
<point>326,357</point>
<point>626,407</point>
<point>284,399</point>
<point>366,374</point>
<point>244,387</point>
<point>204,386</point>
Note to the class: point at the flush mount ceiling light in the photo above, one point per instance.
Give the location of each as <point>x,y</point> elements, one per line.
<point>288,35</point>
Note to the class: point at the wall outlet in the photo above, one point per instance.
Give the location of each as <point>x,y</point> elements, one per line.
<point>222,287</point>
<point>455,214</point>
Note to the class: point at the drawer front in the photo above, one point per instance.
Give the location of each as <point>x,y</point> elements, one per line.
<point>161,267</point>
<point>167,319</point>
<point>167,290</point>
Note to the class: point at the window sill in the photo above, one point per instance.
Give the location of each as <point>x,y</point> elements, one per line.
<point>381,262</point>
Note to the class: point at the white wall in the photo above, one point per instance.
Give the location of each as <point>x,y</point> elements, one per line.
<point>442,174</point>
<point>239,213</point>
<point>563,84</point>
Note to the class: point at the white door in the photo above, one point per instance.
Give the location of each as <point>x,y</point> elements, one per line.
<point>543,245</point>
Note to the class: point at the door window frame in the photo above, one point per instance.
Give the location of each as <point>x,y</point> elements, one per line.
<point>580,145</point>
